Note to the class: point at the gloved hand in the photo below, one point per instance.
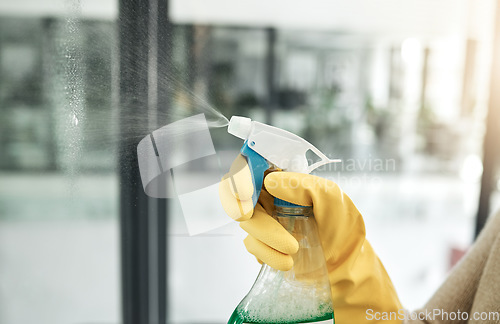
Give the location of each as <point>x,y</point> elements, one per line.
<point>358,279</point>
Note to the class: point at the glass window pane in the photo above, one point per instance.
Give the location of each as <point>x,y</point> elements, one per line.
<point>59,233</point>
<point>400,96</point>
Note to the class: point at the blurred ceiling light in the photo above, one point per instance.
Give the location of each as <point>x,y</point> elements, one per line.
<point>472,169</point>
<point>411,50</point>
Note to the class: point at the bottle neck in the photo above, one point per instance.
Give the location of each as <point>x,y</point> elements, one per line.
<point>294,211</point>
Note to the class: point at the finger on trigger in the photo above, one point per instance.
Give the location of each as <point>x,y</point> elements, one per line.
<point>293,187</point>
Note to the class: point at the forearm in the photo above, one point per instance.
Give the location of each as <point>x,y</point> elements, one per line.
<point>458,293</point>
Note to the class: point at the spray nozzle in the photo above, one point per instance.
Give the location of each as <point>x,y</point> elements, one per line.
<point>240,127</point>
<point>267,145</point>
<point>283,149</point>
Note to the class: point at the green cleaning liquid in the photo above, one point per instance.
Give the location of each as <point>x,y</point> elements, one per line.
<point>300,295</point>
<point>240,317</point>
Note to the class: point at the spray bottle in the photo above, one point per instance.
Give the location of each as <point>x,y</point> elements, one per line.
<point>302,294</point>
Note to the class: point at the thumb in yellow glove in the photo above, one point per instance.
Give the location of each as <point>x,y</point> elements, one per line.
<point>358,279</point>
<point>267,238</point>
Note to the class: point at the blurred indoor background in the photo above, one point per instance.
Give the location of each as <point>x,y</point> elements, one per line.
<point>399,90</point>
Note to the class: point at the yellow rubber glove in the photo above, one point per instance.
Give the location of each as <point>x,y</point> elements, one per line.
<point>358,279</point>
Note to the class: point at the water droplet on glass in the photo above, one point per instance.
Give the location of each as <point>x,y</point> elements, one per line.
<point>74,120</point>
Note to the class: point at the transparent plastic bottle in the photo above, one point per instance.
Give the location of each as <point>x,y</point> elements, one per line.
<point>300,295</point>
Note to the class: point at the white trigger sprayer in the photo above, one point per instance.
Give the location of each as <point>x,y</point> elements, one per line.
<point>267,146</point>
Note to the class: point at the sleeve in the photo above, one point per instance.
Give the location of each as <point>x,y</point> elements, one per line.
<point>459,290</point>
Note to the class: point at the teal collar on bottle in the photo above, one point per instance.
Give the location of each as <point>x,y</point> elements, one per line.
<point>283,203</point>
